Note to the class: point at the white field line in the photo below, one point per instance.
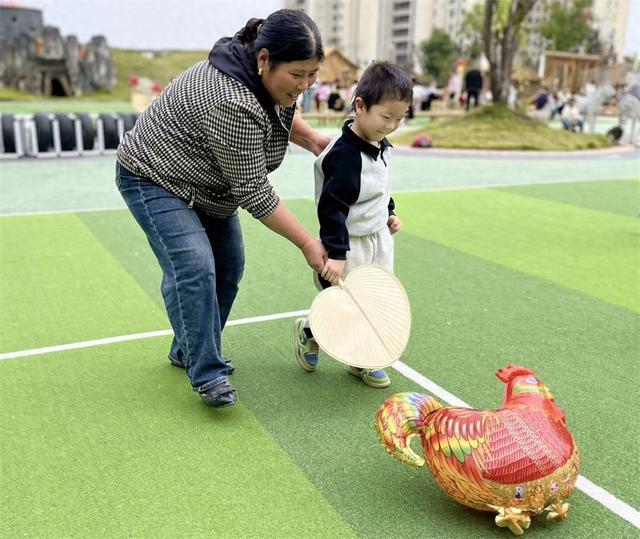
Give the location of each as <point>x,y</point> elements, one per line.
<point>138,336</point>
<point>62,212</point>
<point>592,490</point>
<point>407,191</point>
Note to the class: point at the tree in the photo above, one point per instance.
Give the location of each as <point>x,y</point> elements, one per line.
<point>567,27</point>
<point>471,31</point>
<point>503,20</point>
<point>592,44</point>
<point>439,53</point>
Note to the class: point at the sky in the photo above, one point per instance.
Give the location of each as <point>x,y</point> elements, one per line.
<point>632,44</point>
<point>151,24</point>
<point>185,24</point>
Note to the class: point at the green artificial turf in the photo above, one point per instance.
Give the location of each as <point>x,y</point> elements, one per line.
<point>58,286</point>
<point>110,441</point>
<point>590,251</point>
<point>621,197</point>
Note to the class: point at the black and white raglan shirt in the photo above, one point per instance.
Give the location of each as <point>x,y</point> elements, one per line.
<point>212,136</point>
<point>352,190</point>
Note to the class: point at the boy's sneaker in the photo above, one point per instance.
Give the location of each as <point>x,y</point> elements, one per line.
<point>378,379</point>
<point>305,348</point>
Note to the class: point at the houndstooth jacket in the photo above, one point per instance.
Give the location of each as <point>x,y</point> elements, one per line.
<point>209,140</point>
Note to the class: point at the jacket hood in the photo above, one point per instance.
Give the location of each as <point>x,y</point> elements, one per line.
<point>230,56</point>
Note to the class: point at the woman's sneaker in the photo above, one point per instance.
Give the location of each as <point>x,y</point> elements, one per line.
<point>378,379</point>
<point>305,348</point>
<point>222,395</point>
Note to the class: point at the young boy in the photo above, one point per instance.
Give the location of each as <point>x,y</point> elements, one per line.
<point>355,209</point>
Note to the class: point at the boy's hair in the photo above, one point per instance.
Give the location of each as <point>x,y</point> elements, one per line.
<point>383,80</point>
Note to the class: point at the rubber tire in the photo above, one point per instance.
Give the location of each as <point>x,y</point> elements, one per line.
<point>88,130</point>
<point>8,135</point>
<point>129,120</point>
<point>67,132</point>
<point>44,132</point>
<point>110,127</point>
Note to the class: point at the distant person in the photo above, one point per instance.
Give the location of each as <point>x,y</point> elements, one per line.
<point>543,104</point>
<point>541,99</point>
<point>562,97</point>
<point>322,97</point>
<point>334,102</point>
<point>473,86</point>
<point>308,97</point>
<point>418,97</point>
<point>203,149</point>
<point>454,88</point>
<point>345,97</point>
<point>348,104</point>
<point>570,117</point>
<point>431,93</point>
<point>355,209</point>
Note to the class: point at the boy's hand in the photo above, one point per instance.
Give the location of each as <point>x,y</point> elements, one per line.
<point>332,270</point>
<point>394,224</point>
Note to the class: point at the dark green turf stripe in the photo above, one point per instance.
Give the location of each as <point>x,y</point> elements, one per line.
<point>59,285</point>
<point>589,251</point>
<point>110,442</point>
<point>621,196</point>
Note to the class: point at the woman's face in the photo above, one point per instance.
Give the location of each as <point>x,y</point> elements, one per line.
<point>286,81</point>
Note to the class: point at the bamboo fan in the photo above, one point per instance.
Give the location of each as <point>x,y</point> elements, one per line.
<point>365,321</point>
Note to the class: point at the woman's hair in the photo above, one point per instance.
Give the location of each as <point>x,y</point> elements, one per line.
<point>383,80</point>
<point>288,34</point>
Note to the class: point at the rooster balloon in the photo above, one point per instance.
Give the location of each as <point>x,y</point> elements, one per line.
<point>517,461</point>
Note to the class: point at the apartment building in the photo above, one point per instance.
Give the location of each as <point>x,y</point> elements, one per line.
<point>611,18</point>
<point>367,30</point>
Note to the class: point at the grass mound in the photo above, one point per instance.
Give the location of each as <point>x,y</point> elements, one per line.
<point>496,127</point>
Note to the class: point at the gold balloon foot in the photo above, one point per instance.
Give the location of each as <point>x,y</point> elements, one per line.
<point>557,511</point>
<point>513,518</point>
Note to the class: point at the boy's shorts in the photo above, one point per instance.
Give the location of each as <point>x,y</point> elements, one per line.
<point>374,248</point>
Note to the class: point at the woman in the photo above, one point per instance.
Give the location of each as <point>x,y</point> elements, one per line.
<point>202,149</point>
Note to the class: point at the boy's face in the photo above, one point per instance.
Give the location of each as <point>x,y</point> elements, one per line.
<point>376,122</point>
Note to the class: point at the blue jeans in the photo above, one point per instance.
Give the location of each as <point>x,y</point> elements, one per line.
<point>202,261</point>
<point>570,125</point>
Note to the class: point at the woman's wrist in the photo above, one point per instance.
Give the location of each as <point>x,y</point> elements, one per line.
<point>306,241</point>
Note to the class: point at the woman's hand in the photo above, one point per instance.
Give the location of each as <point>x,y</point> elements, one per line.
<point>315,253</point>
<point>394,224</point>
<point>332,270</point>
